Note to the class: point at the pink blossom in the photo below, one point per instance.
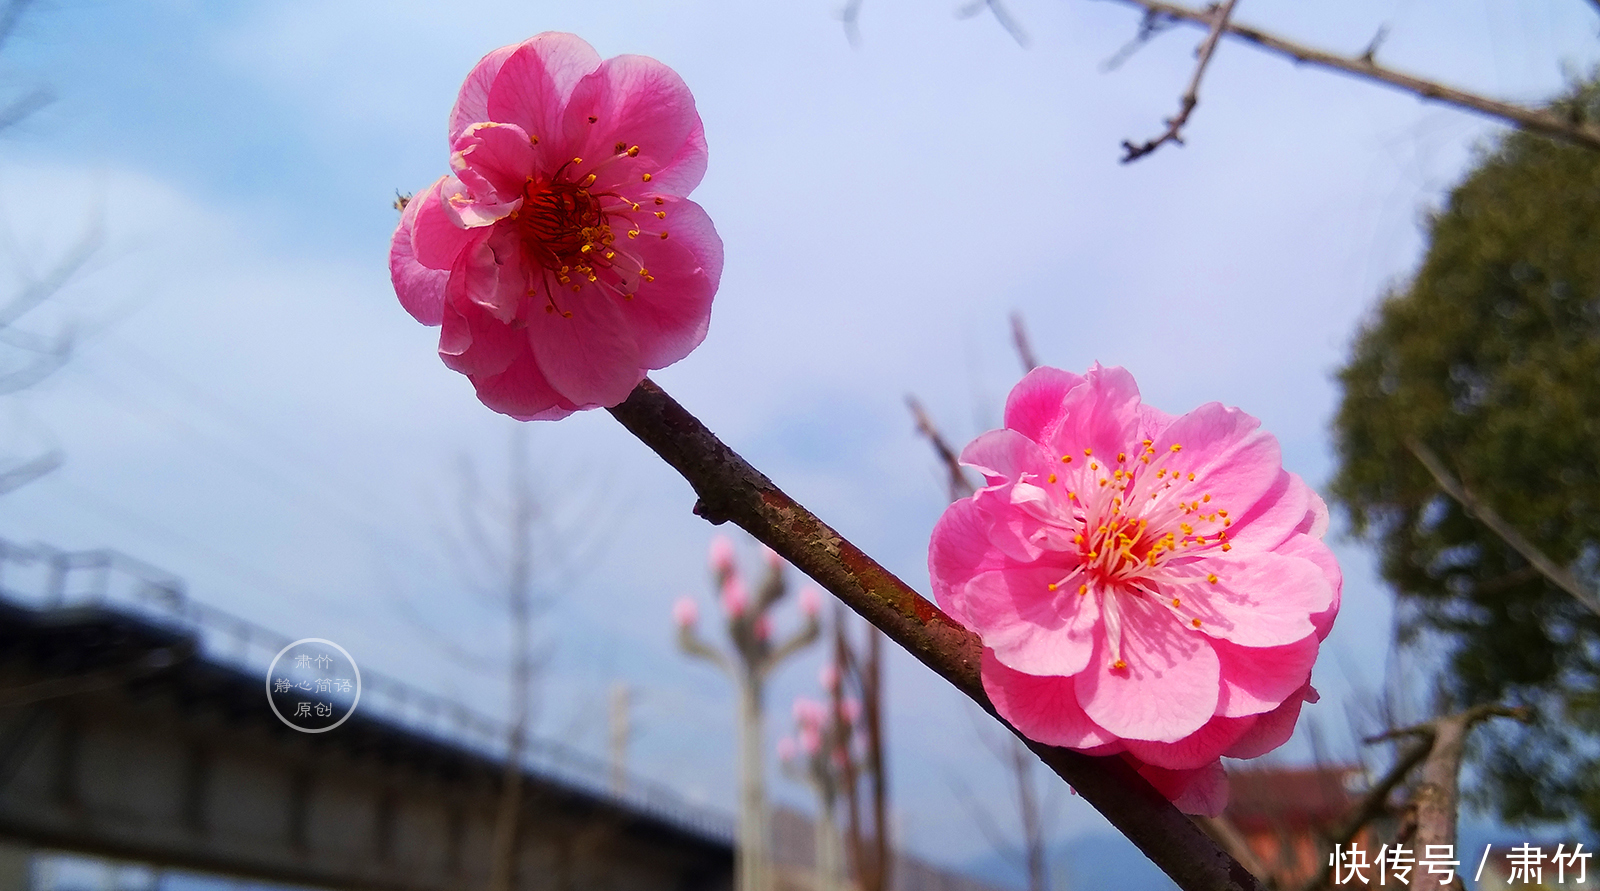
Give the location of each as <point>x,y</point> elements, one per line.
<point>850,710</point>
<point>828,677</point>
<point>762,629</point>
<point>809,712</point>
<point>1143,584</point>
<point>722,555</point>
<point>560,254</point>
<point>810,602</point>
<point>734,597</point>
<point>685,612</point>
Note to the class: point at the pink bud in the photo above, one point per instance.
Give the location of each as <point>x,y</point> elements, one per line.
<point>734,597</point>
<point>829,676</point>
<point>808,712</point>
<point>810,602</point>
<point>811,739</point>
<point>763,629</point>
<point>786,749</point>
<point>850,710</point>
<point>685,612</point>
<point>721,555</point>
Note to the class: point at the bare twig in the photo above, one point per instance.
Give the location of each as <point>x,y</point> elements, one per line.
<point>1149,26</point>
<point>960,486</point>
<point>730,489</point>
<point>1218,19</point>
<point>1001,15</point>
<point>1486,515</point>
<point>1371,806</point>
<point>1019,336</point>
<point>1547,123</point>
<point>850,15</point>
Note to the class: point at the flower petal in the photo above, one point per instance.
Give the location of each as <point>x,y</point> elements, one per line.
<point>1004,456</point>
<point>522,392</point>
<point>1232,459</point>
<point>1308,548</point>
<point>637,101</point>
<point>420,289</point>
<point>670,315</point>
<point>586,351</point>
<point>533,86</point>
<point>1101,414</point>
<point>1262,600</point>
<point>1259,679</point>
<point>474,342</point>
<point>1034,407</point>
<point>1045,709</point>
<point>1195,750</point>
<point>1202,791</point>
<point>1170,686</point>
<point>1273,728</point>
<point>958,550</point>
<point>1029,627</point>
<point>493,161</point>
<point>1273,518</point>
<point>437,238</point>
<point>472,103</point>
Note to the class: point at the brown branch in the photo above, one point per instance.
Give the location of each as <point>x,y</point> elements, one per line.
<point>960,486</point>
<point>1233,841</point>
<point>1019,336</point>
<point>1486,515</point>
<point>1371,806</point>
<point>730,489</point>
<point>1217,17</point>
<point>1533,120</point>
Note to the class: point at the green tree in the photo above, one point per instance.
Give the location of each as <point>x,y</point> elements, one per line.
<point>1490,360</point>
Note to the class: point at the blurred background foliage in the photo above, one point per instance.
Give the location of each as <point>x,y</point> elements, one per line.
<point>1490,358</point>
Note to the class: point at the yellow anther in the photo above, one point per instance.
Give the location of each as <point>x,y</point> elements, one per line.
<point>1177,602</point>
<point>589,180</point>
<point>1177,447</point>
<point>1207,497</point>
<point>1094,465</point>
<point>660,201</point>
<point>1082,590</point>
<point>1103,483</point>
<point>533,140</point>
<point>1052,477</point>
<point>663,236</point>
<point>633,151</point>
<point>1088,451</point>
<point>1119,665</point>
<point>1222,513</point>
<point>1226,546</point>
<point>577,160</point>
<point>1195,622</point>
<point>1121,457</point>
<point>633,233</point>
<point>1051,586</point>
<point>585,249</point>
<point>1191,476</point>
<point>647,177</point>
<point>661,214</point>
<point>1211,577</point>
<point>1093,554</point>
<point>1066,459</point>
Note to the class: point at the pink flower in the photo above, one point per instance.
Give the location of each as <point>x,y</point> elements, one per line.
<point>722,555</point>
<point>685,612</point>
<point>828,677</point>
<point>560,255</point>
<point>1144,585</point>
<point>810,602</point>
<point>734,597</point>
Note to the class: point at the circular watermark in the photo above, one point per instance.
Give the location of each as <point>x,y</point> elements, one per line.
<point>313,685</point>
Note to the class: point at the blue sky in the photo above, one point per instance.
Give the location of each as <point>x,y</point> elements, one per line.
<point>250,408</point>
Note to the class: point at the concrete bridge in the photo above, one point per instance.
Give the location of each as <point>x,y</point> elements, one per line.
<point>131,728</point>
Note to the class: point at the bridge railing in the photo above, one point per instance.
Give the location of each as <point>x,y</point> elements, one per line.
<point>44,577</point>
